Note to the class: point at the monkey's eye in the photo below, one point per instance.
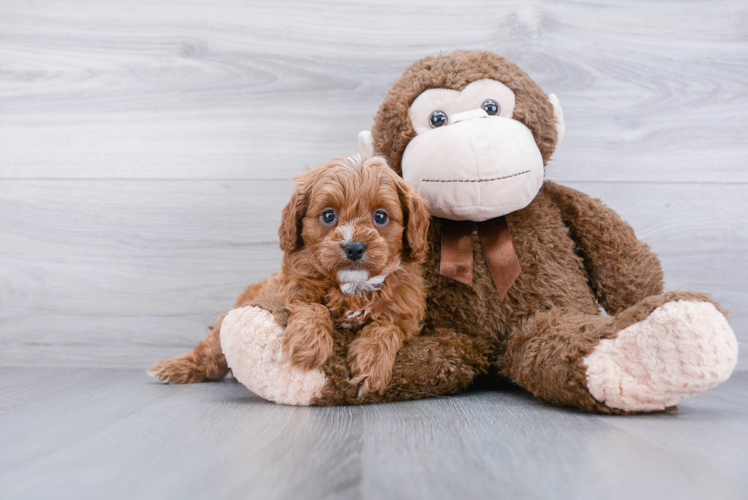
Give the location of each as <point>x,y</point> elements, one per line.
<point>380,218</point>
<point>328,217</point>
<point>437,119</point>
<point>491,107</point>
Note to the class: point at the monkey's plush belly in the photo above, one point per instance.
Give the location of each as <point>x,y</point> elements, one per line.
<point>540,239</point>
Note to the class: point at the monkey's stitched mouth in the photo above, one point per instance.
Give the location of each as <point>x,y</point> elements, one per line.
<point>476,180</point>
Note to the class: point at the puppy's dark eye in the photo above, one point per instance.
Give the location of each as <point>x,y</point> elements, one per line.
<point>437,119</point>
<point>380,218</point>
<point>327,217</point>
<point>491,107</point>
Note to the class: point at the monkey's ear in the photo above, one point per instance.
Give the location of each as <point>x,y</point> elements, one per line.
<point>558,114</point>
<point>366,143</point>
<point>416,222</point>
<point>292,215</point>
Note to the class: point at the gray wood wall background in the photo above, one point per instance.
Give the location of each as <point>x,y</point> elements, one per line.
<point>146,145</point>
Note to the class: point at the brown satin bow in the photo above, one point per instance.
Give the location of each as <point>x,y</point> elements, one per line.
<point>496,240</point>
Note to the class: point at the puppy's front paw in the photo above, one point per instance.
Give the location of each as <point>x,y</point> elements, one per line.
<point>307,345</point>
<point>370,366</point>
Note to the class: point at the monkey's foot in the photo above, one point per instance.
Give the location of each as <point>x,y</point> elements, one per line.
<point>681,349</point>
<point>251,341</point>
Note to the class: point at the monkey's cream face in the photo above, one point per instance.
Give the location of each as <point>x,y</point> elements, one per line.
<point>470,159</point>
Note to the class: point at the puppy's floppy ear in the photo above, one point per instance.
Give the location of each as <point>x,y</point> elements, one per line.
<point>293,213</point>
<point>415,220</point>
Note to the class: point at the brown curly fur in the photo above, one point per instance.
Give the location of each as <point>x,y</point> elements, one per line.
<point>205,362</point>
<point>392,127</point>
<point>307,285</point>
<point>575,254</point>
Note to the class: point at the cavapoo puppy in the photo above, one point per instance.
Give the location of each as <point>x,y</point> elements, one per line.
<point>353,237</point>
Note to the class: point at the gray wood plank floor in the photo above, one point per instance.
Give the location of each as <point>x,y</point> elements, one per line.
<point>98,433</point>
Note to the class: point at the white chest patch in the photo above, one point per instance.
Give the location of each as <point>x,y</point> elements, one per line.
<point>357,281</point>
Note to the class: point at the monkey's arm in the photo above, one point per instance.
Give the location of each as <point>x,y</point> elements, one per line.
<point>437,362</point>
<point>621,269</point>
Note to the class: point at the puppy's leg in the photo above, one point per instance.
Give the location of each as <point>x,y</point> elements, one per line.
<point>307,342</point>
<point>372,355</point>
<point>205,362</point>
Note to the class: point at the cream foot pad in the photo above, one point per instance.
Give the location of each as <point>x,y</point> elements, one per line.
<point>682,348</point>
<point>251,342</point>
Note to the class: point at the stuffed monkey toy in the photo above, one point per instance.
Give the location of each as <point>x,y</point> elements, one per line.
<point>518,268</point>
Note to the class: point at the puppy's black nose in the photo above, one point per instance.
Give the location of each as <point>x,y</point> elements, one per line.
<point>355,250</point>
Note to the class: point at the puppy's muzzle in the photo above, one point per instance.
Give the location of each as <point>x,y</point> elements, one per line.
<point>354,251</point>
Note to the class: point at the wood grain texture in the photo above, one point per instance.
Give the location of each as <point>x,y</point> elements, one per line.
<point>232,89</point>
<point>140,269</point>
<point>145,146</point>
<point>100,433</point>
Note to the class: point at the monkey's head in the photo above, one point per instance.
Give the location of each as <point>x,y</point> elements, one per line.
<point>471,131</point>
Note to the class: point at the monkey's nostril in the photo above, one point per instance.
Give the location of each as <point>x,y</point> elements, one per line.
<point>355,250</point>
